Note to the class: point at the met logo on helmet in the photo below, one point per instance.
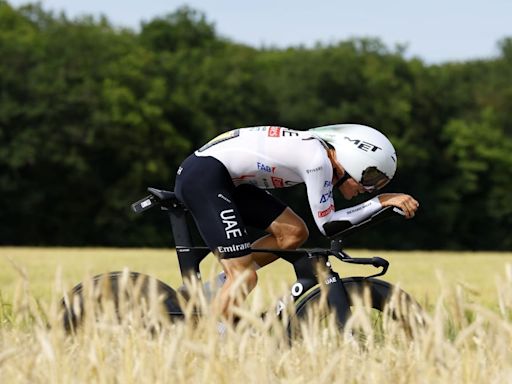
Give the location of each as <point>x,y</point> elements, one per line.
<point>363,145</point>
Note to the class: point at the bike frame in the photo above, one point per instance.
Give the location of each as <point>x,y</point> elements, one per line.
<point>311,266</point>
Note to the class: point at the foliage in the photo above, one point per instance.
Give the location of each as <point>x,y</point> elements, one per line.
<point>91,114</point>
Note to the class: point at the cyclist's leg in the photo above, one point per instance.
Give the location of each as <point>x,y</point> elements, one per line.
<point>287,231</point>
<point>259,209</point>
<point>241,278</point>
<point>204,185</point>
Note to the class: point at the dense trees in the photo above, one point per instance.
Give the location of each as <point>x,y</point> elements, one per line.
<point>90,114</point>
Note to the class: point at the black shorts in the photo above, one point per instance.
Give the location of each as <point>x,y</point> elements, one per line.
<point>221,210</point>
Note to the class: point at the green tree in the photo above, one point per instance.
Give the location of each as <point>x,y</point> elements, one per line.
<point>91,114</point>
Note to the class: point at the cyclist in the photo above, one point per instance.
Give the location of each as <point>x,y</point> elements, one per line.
<point>224,185</point>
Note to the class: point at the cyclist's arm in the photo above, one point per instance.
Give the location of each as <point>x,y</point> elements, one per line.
<point>320,196</point>
<point>358,213</point>
<point>406,203</point>
<point>348,217</point>
<point>317,175</point>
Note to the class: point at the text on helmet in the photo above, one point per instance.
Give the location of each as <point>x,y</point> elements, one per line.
<point>363,145</point>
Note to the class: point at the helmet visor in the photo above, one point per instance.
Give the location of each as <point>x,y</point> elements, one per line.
<point>373,179</point>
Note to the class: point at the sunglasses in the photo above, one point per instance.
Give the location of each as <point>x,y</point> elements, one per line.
<point>371,180</point>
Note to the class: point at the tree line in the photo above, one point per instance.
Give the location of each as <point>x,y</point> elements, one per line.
<point>91,114</point>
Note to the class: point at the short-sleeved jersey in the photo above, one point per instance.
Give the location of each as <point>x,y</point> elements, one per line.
<point>277,157</point>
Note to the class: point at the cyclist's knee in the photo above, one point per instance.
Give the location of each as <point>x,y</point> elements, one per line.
<point>289,230</point>
<point>293,237</point>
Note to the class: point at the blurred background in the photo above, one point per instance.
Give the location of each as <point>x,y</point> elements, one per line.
<point>100,100</point>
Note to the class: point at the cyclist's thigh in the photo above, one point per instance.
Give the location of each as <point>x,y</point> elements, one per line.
<point>257,206</point>
<point>288,218</point>
<point>289,229</point>
<point>205,187</point>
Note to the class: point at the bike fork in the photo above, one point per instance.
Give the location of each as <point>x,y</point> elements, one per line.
<point>337,297</point>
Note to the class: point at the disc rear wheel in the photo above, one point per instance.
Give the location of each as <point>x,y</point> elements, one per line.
<point>117,296</point>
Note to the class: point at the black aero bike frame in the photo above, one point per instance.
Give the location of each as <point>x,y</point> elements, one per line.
<point>312,268</point>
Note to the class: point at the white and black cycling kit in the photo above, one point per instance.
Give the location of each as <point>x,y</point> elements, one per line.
<point>224,184</point>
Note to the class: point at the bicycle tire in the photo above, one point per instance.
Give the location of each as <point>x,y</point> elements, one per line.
<point>114,287</point>
<point>383,297</point>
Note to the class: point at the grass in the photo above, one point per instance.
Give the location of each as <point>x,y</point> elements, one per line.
<point>419,273</point>
<point>468,338</point>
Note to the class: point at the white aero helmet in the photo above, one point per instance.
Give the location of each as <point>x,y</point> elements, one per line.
<point>365,153</point>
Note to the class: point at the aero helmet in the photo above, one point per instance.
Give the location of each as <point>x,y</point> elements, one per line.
<point>365,153</point>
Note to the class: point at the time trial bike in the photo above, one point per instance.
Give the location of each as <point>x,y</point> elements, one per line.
<point>316,281</point>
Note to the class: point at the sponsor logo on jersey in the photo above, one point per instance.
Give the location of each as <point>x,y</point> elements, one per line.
<point>326,212</point>
<point>277,182</point>
<point>274,131</point>
<point>221,196</point>
<point>234,248</point>
<point>281,132</point>
<point>356,209</point>
<point>317,169</point>
<point>326,197</point>
<point>265,168</point>
<point>230,224</point>
<point>363,145</point>
<point>242,178</point>
<point>289,132</point>
<point>327,184</point>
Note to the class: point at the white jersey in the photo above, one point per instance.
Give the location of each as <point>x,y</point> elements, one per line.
<point>277,157</point>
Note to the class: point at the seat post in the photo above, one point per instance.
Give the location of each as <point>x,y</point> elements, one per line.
<point>189,257</point>
<point>178,218</point>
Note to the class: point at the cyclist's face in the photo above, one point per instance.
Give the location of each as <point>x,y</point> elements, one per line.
<point>350,188</point>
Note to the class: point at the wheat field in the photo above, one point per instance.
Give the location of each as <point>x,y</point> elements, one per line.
<point>467,336</point>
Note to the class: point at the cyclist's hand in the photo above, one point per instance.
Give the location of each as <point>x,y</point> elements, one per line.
<point>405,202</point>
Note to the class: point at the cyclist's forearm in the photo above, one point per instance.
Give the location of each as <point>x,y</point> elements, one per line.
<point>358,213</point>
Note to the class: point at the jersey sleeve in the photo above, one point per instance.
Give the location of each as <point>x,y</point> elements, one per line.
<point>345,218</point>
<point>317,176</point>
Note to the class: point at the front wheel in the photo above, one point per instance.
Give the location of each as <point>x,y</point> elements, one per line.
<point>377,309</point>
<point>118,296</point>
